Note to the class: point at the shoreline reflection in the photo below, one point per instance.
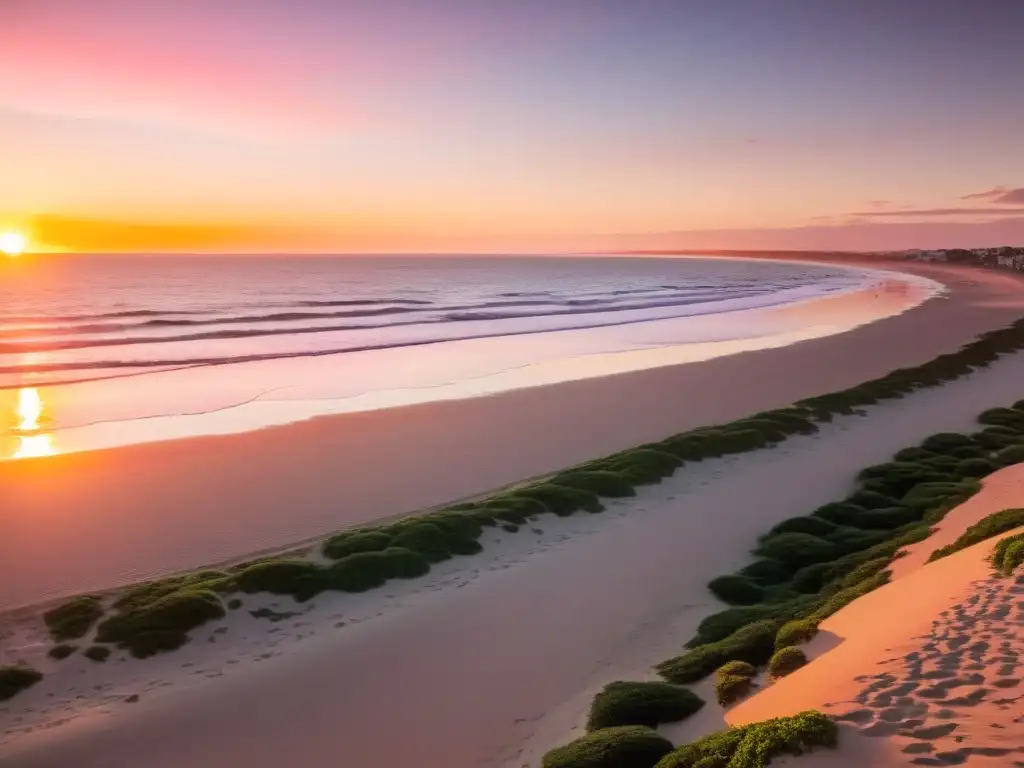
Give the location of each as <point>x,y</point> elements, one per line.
<point>30,440</point>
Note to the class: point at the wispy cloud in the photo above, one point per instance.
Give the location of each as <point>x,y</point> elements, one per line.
<point>928,212</point>
<point>989,194</point>
<point>1011,197</point>
<point>1001,195</point>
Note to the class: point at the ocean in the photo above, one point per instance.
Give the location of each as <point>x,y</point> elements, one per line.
<point>104,342</point>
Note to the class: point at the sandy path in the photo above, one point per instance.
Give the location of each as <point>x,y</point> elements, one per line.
<point>495,666</point>
<point>929,665</point>
<point>90,521</point>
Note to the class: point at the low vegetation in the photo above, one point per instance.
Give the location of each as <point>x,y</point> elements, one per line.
<point>993,525</point>
<point>786,661</point>
<point>756,745</point>
<point>1008,554</point>
<point>733,681</point>
<point>646,703</point>
<point>795,633</point>
<point>162,625</point>
<point>97,653</point>
<point>73,619</point>
<point>14,680</point>
<point>62,651</point>
<point>627,746</point>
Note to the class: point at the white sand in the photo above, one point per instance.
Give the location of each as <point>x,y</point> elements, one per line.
<point>491,659</point>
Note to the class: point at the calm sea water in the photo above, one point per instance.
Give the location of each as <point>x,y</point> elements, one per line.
<point>83,318</point>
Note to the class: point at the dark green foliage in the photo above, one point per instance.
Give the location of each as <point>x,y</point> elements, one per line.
<point>888,518</point>
<point>844,597</point>
<point>1008,554</point>
<point>741,668</point>
<point>731,688</point>
<point>913,454</point>
<point>560,500</point>
<point>61,651</point>
<point>368,570</point>
<point>753,643</point>
<point>161,625</point>
<point>97,653</point>
<point>14,680</point>
<point>601,483</point>
<point>870,499</point>
<point>969,452</point>
<point>344,544</point>
<point>756,745</point>
<point>1003,417</point>
<point>151,591</point>
<point>849,539</point>
<point>795,632</point>
<point>864,571</point>
<point>301,579</point>
<point>975,468</point>
<point>993,525</point>
<point>839,512</point>
<point>786,661</point>
<point>650,704</point>
<point>1008,456</point>
<point>997,438</point>
<point>643,465</point>
<point>510,509</point>
<point>434,543</point>
<point>456,524</point>
<point>811,578</point>
<point>796,549</point>
<point>627,746</point>
<point>944,442</point>
<point>736,590</point>
<point>234,604</point>
<point>74,618</point>
<point>766,572</point>
<point>928,494</point>
<point>816,526</point>
<point>892,480</point>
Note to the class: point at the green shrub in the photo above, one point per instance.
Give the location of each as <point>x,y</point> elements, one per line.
<point>163,625</point>
<point>796,549</point>
<point>644,465</point>
<point>913,454</point>
<point>61,651</point>
<point>795,632</point>
<point>368,570</point>
<point>864,571</point>
<point>74,618</point>
<point>627,746</point>
<point>301,579</point>
<point>560,500</point>
<point>993,525</point>
<point>14,680</point>
<point>753,644</point>
<point>811,578</point>
<point>816,526</point>
<point>731,688</point>
<point>869,499</point>
<point>736,590</point>
<point>944,442</point>
<point>975,468</point>
<point>740,668</point>
<point>151,591</point>
<point>756,745</point>
<point>887,519</point>
<point>97,653</point>
<point>844,597</point>
<point>1008,553</point>
<point>786,661</point>
<point>647,703</point>
<point>839,512</point>
<point>433,543</point>
<point>455,524</point>
<point>1009,456</point>
<point>766,572</point>
<point>1003,417</point>
<point>967,452</point>
<point>344,544</point>
<point>601,483</point>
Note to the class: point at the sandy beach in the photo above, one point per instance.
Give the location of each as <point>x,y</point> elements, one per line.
<point>491,659</point>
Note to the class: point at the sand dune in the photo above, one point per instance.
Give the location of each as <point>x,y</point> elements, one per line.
<point>930,665</point>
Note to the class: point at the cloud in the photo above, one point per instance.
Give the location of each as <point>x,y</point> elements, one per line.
<point>922,212</point>
<point>1011,197</point>
<point>987,195</point>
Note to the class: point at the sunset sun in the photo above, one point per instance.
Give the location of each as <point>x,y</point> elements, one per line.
<point>12,243</point>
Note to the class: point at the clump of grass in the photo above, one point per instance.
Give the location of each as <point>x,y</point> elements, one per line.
<point>73,619</point>
<point>796,549</point>
<point>368,570</point>
<point>757,744</point>
<point>645,703</point>
<point>301,579</point>
<point>741,668</point>
<point>599,482</point>
<point>816,526</point>
<point>753,644</point>
<point>162,625</point>
<point>786,661</point>
<point>62,651</point>
<point>561,500</point>
<point>839,512</point>
<point>993,525</point>
<point>97,653</point>
<point>14,680</point>
<point>434,542</point>
<point>1013,454</point>
<point>736,589</point>
<point>627,746</point>
<point>1008,554</point>
<point>350,543</point>
<point>794,633</point>
<point>733,681</point>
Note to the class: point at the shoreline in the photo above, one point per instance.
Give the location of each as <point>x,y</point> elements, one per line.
<point>627,551</point>
<point>289,467</point>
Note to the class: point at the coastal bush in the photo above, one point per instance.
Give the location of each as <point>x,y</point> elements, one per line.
<point>601,483</point>
<point>62,651</point>
<point>995,439</point>
<point>1008,553</point>
<point>993,525</point>
<point>432,542</point>
<point>647,703</point>
<point>766,572</point>
<point>627,746</point>
<point>753,644</point>
<point>1003,417</point>
<point>343,544</point>
<point>1009,456</point>
<point>73,619</point>
<point>757,744</point>
<point>811,578</point>
<point>740,668</point>
<point>736,590</point>
<point>839,512</point>
<point>796,549</point>
<point>864,571</point>
<point>151,591</point>
<point>509,508</point>
<point>731,688</point>
<point>870,499</point>
<point>944,442</point>
<point>927,494</point>
<point>913,453</point>
<point>975,468</point>
<point>966,452</point>
<point>844,597</point>
<point>886,519</point>
<point>560,500</point>
<point>455,524</point>
<point>786,661</point>
<point>848,539</point>
<point>97,653</point>
<point>162,625</point>
<point>14,680</point>
<point>301,579</point>
<point>816,526</point>
<point>367,570</point>
<point>645,465</point>
<point>795,632</point>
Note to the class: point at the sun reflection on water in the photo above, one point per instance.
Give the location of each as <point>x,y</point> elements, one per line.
<point>29,421</point>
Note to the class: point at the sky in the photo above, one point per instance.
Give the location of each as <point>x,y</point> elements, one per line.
<point>506,125</point>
